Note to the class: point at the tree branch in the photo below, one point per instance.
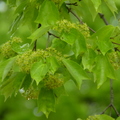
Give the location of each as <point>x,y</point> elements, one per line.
<point>53,35</point>
<point>35,43</point>
<point>115,43</point>
<point>111,105</point>
<point>48,40</point>
<point>80,21</point>
<point>75,4</point>
<point>111,91</point>
<point>103,18</point>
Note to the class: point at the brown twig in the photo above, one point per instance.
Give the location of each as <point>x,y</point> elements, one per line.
<point>80,21</point>
<point>35,42</point>
<point>103,18</point>
<point>115,43</point>
<point>70,11</point>
<point>53,35</point>
<point>48,40</point>
<point>75,4</point>
<point>111,105</point>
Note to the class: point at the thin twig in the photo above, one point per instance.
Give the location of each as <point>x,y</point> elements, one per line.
<point>69,10</point>
<point>115,110</point>
<point>111,105</point>
<point>75,4</point>
<point>103,18</point>
<point>115,43</point>
<point>53,35</point>
<point>35,46</point>
<point>80,21</point>
<point>48,40</point>
<point>105,109</point>
<point>35,43</point>
<point>111,91</point>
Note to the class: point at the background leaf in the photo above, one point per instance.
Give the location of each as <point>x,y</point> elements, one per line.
<point>12,84</point>
<point>46,101</point>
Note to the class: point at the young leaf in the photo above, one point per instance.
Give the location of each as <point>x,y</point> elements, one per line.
<point>102,38</point>
<point>79,47</point>
<point>38,71</point>
<point>46,101</point>
<point>20,8</point>
<point>88,59</point>
<point>8,67</point>
<point>30,14</point>
<point>76,71</point>
<point>53,64</point>
<point>39,32</point>
<point>96,3</point>
<point>48,13</point>
<point>16,24</point>
<point>102,70</point>
<point>69,37</point>
<point>111,5</point>
<point>91,8</point>
<point>5,68</point>
<point>20,48</point>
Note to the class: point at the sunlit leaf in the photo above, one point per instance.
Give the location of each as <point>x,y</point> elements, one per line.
<point>111,5</point>
<point>20,48</point>
<point>76,71</point>
<point>39,32</point>
<point>38,71</point>
<point>48,13</point>
<point>5,67</point>
<point>16,23</point>
<point>53,64</point>
<point>96,3</point>
<point>88,59</point>
<point>79,46</point>
<point>102,38</point>
<point>70,36</point>
<point>102,70</point>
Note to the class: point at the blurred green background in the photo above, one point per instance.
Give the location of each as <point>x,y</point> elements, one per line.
<point>78,103</point>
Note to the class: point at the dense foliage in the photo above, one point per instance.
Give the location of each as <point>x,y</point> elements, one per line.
<point>72,50</point>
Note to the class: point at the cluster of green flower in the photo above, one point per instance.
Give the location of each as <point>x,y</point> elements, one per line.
<point>115,59</point>
<point>6,48</point>
<point>65,25</point>
<point>27,59</point>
